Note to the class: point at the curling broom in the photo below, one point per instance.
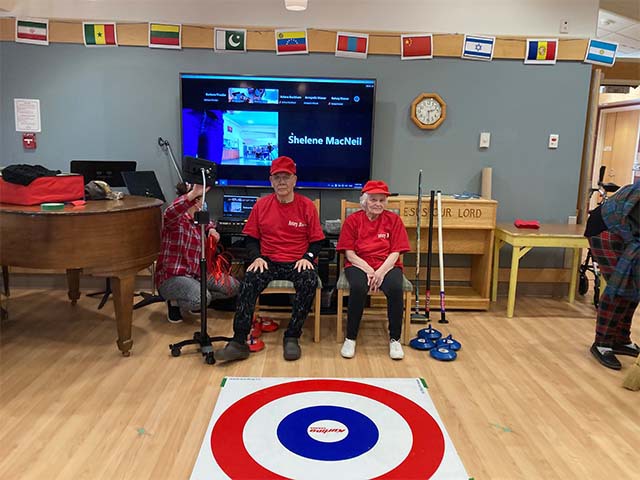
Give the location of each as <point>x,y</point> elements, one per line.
<point>443,318</point>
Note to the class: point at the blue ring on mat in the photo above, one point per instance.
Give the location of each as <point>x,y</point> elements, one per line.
<point>362,436</point>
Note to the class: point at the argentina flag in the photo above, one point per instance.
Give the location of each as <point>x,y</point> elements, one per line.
<point>601,53</point>
<point>478,48</point>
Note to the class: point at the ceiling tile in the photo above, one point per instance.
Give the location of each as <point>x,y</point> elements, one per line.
<point>611,22</point>
<point>623,41</point>
<point>631,32</point>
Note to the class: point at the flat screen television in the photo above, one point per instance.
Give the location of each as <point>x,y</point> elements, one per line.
<point>242,123</point>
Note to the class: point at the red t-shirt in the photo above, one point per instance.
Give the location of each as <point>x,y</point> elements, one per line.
<point>285,230</point>
<point>374,240</point>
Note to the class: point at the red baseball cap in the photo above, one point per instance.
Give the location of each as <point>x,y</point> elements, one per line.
<point>376,186</point>
<point>283,164</point>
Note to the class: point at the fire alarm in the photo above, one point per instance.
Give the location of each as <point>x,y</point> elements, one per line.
<point>29,141</point>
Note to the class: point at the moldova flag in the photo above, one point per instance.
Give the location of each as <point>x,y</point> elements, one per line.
<point>541,51</point>
<point>99,34</point>
<point>291,42</point>
<point>353,45</point>
<point>164,35</point>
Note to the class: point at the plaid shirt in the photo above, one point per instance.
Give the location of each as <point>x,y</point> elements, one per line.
<point>618,213</point>
<point>180,248</point>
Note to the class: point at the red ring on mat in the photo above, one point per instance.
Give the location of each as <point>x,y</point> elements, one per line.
<point>230,453</point>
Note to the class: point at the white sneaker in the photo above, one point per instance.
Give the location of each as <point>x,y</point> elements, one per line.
<point>348,348</point>
<point>395,350</point>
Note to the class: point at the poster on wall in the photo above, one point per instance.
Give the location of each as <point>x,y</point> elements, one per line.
<point>27,112</point>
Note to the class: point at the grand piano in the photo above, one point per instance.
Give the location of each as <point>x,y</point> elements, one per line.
<point>105,238</point>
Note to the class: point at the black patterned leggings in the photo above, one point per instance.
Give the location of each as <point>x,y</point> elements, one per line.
<point>305,283</point>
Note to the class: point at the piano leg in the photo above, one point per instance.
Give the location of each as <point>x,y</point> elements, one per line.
<point>5,280</point>
<point>73,282</point>
<point>123,302</point>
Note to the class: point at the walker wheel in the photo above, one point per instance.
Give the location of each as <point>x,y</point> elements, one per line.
<point>583,285</point>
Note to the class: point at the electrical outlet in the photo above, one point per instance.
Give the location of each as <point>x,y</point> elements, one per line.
<point>564,26</point>
<point>553,140</point>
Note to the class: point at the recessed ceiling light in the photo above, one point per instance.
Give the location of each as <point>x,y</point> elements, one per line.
<point>296,5</point>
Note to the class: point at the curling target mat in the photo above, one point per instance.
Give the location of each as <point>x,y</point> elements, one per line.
<point>326,428</point>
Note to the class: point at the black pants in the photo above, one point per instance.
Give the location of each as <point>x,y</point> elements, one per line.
<point>305,283</point>
<point>392,289</point>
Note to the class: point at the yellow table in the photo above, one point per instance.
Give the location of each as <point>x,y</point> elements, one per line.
<point>523,239</point>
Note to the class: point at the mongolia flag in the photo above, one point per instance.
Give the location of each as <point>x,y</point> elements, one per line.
<point>290,42</point>
<point>99,34</point>
<point>164,35</point>
<point>478,48</point>
<point>352,45</point>
<point>415,47</point>
<point>34,31</point>
<point>541,51</point>
<point>601,53</point>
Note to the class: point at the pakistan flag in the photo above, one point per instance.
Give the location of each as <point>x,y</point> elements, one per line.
<point>230,40</point>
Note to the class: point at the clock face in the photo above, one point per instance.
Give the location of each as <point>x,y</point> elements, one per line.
<point>428,111</point>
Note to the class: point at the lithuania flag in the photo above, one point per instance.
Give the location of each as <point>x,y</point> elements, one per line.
<point>162,35</point>
<point>99,34</point>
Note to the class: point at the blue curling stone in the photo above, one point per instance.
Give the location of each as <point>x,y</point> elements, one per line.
<point>443,354</point>
<point>421,343</point>
<point>449,343</point>
<point>430,333</point>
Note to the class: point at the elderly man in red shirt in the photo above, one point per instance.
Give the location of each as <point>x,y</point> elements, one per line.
<point>372,240</point>
<point>284,237</point>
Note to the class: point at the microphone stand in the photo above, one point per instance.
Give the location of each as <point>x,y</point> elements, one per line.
<point>201,338</point>
<point>166,148</point>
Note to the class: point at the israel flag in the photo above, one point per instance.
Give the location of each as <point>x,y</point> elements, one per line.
<point>601,53</point>
<point>478,48</point>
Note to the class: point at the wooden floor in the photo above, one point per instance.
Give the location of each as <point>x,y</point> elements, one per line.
<point>524,400</point>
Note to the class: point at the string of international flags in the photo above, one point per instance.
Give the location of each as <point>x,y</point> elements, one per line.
<point>292,41</point>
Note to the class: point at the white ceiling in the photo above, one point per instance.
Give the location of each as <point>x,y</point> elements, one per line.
<point>623,30</point>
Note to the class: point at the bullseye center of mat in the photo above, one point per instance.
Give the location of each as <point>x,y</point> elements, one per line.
<point>327,432</point>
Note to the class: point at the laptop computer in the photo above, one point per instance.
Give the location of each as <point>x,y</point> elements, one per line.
<point>236,208</point>
<point>143,183</point>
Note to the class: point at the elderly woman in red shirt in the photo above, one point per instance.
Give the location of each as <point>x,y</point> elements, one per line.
<point>372,240</point>
<point>178,267</point>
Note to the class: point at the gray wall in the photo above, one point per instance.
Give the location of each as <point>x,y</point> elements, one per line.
<point>113,103</point>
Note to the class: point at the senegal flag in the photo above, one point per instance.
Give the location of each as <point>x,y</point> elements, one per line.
<point>164,35</point>
<point>99,34</point>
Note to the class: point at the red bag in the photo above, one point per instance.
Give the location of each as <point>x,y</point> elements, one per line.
<point>218,262</point>
<point>534,224</point>
<point>63,188</point>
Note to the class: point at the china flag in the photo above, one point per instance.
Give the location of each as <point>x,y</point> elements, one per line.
<point>416,46</point>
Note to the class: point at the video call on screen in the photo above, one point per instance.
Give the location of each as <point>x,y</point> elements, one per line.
<point>244,123</point>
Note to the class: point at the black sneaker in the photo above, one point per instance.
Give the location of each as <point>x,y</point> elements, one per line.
<point>291,348</point>
<point>633,351</point>
<point>173,313</point>
<point>232,351</point>
<point>608,359</point>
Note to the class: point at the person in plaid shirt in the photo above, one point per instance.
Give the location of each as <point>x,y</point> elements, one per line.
<point>613,230</point>
<point>178,266</point>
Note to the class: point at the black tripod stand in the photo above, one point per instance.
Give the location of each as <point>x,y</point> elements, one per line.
<point>201,338</point>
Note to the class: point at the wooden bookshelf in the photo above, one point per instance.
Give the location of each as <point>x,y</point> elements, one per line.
<point>467,229</point>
